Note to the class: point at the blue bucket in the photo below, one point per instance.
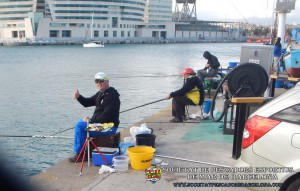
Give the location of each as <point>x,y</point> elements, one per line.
<point>232,64</point>
<point>206,106</point>
<point>279,84</point>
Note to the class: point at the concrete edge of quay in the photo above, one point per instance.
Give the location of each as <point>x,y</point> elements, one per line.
<point>111,41</point>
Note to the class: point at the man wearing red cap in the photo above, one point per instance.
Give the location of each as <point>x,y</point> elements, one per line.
<point>191,93</point>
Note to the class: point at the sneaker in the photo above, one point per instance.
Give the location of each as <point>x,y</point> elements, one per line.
<point>74,157</point>
<point>176,120</point>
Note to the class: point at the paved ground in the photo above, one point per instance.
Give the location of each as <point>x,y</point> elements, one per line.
<point>200,145</point>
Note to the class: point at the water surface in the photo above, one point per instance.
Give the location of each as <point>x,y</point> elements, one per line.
<point>37,84</point>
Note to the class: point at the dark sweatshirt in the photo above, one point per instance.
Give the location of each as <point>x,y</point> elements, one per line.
<point>107,106</point>
<point>211,60</point>
<point>188,86</point>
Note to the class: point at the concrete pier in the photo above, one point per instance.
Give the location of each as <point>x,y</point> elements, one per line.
<point>191,144</point>
<point>200,145</point>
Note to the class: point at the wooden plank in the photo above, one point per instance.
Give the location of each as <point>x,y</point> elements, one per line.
<point>248,99</point>
<point>293,79</point>
<point>285,78</point>
<point>273,76</point>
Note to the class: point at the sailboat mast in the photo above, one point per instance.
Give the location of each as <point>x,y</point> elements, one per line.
<point>92,26</point>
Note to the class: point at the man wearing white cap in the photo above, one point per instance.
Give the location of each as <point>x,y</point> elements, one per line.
<point>107,110</point>
<point>191,93</point>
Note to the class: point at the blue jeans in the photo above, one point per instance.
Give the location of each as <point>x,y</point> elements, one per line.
<point>80,135</point>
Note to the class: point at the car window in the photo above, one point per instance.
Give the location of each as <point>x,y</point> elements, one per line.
<point>290,114</point>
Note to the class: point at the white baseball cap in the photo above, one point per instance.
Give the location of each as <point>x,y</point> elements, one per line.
<point>101,76</point>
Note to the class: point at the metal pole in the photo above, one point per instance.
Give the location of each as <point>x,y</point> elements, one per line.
<point>195,161</point>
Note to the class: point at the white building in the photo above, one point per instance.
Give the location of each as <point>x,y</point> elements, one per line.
<point>72,18</point>
<point>114,20</point>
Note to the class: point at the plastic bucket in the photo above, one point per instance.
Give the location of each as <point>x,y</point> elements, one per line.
<point>206,106</point>
<point>279,84</point>
<point>140,157</point>
<point>232,64</point>
<point>145,139</point>
<point>120,163</point>
<point>124,146</point>
<point>130,140</point>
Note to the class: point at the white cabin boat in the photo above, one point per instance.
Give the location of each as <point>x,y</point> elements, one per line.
<point>94,44</point>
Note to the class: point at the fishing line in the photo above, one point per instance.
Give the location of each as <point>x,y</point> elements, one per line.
<point>38,136</point>
<point>222,48</point>
<point>45,137</point>
<point>244,18</point>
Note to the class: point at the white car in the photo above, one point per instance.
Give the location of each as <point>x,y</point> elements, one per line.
<point>271,145</point>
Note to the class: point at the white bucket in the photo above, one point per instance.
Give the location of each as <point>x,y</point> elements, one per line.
<point>120,163</point>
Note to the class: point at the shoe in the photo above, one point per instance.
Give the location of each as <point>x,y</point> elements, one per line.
<point>176,120</point>
<point>74,157</point>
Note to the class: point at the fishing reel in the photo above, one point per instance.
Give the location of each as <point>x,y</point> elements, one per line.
<point>245,80</point>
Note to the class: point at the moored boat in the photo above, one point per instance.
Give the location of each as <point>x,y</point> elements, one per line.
<point>292,56</point>
<point>93,43</point>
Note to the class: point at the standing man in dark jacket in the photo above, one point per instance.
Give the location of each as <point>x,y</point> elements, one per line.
<point>191,93</point>
<point>107,110</point>
<point>277,53</point>
<point>211,67</point>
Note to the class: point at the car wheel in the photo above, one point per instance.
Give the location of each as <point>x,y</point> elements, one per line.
<point>294,186</point>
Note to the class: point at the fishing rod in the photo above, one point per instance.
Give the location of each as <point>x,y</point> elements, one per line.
<point>197,122</point>
<point>171,75</point>
<point>149,103</point>
<point>54,135</point>
<point>142,105</point>
<point>195,161</point>
<point>38,136</point>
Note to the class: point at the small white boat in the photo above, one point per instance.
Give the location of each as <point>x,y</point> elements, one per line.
<point>93,43</point>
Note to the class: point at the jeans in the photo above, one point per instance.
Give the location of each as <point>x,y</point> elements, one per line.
<point>204,73</point>
<point>80,135</point>
<point>276,66</point>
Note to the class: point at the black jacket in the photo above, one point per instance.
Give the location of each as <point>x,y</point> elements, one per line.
<point>107,106</point>
<point>190,84</point>
<point>211,60</point>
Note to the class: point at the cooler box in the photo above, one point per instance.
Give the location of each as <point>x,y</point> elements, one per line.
<point>108,153</point>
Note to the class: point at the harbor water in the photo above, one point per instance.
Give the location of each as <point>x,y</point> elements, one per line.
<point>37,85</point>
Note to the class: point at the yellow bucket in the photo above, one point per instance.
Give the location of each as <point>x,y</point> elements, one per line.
<point>140,157</point>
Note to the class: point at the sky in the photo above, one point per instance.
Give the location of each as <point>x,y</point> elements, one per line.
<point>254,11</point>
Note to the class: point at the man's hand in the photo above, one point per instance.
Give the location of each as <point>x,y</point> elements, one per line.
<point>76,94</point>
<point>167,97</point>
<point>86,119</point>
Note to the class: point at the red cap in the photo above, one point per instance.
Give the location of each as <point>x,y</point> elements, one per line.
<point>188,71</point>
